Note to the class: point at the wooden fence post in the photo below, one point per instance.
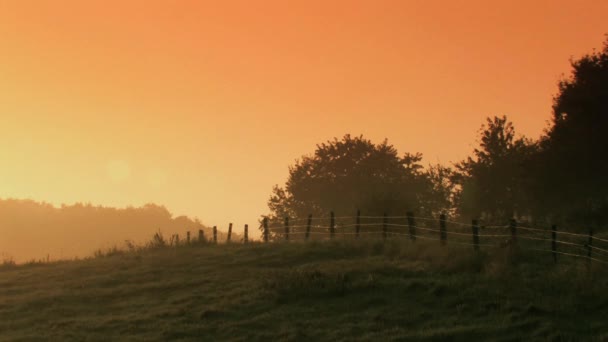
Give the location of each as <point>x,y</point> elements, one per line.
<point>246,234</point>
<point>286,228</point>
<point>443,235</point>
<point>332,226</point>
<point>229,237</point>
<point>411,223</point>
<point>384,226</point>
<point>513,227</point>
<point>177,239</point>
<point>265,229</point>
<point>358,223</point>
<point>308,225</point>
<point>475,227</point>
<point>554,242</point>
<point>188,237</point>
<point>589,246</point>
<point>214,234</point>
<point>201,236</point>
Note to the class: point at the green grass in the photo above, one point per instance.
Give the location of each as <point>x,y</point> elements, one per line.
<point>340,291</point>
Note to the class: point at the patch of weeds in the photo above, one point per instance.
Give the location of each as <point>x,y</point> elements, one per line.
<point>158,240</point>
<point>108,252</point>
<point>8,262</point>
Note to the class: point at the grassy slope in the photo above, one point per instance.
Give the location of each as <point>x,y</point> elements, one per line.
<point>316,291</point>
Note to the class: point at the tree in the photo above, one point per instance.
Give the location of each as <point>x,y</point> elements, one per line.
<point>571,169</point>
<point>443,195</point>
<point>350,174</point>
<point>492,180</point>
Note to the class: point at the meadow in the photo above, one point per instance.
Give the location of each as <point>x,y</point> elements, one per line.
<point>320,290</point>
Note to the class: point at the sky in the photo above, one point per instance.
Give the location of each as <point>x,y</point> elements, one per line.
<point>202,105</point>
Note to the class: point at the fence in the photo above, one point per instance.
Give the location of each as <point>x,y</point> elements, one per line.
<point>475,235</point>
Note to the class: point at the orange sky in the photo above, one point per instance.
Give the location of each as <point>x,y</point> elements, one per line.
<point>202,105</point>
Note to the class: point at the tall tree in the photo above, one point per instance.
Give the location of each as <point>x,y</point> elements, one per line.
<point>491,180</point>
<point>572,167</point>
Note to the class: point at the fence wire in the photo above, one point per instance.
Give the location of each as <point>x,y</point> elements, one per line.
<point>382,226</point>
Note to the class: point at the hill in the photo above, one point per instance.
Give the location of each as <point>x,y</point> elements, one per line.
<point>333,291</point>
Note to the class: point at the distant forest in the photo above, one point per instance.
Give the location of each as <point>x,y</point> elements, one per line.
<point>33,230</point>
<point>561,178</point>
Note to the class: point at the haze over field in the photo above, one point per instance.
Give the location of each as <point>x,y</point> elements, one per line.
<point>200,105</point>
<point>42,232</point>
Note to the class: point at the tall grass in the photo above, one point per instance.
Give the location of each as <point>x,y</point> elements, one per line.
<point>320,290</point>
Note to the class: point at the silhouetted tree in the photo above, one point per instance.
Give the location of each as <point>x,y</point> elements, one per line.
<point>571,170</point>
<point>349,174</point>
<point>444,190</point>
<point>491,180</point>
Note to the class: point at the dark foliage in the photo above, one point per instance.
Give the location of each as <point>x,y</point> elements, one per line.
<point>354,173</point>
<point>569,173</point>
<point>492,180</point>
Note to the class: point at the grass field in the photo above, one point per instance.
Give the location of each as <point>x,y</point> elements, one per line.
<point>340,291</point>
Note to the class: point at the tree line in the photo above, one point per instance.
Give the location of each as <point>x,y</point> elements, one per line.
<point>562,177</point>
<point>35,230</point>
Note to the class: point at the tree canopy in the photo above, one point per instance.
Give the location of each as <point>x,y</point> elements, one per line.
<point>492,180</point>
<point>352,174</point>
<point>570,171</point>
